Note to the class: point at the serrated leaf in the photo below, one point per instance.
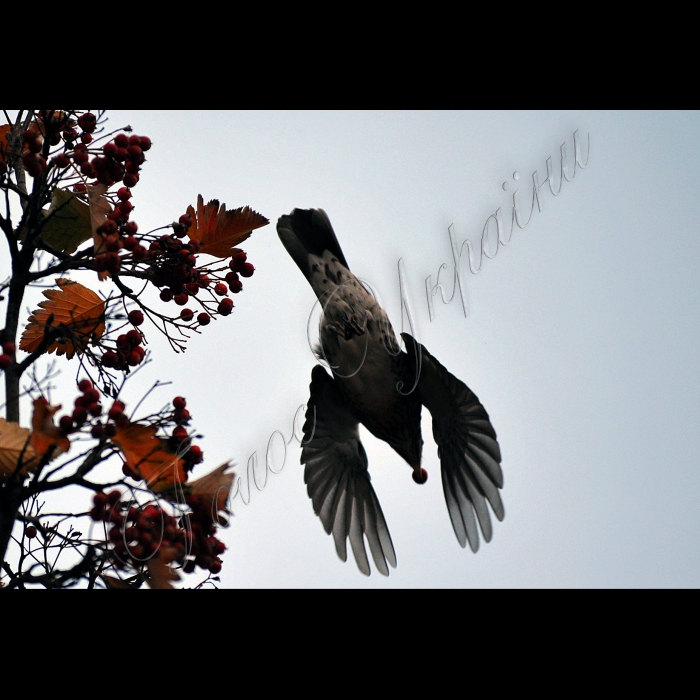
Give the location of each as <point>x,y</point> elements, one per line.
<point>76,308</point>
<point>15,444</point>
<point>162,574</point>
<point>150,457</point>
<point>219,230</point>
<point>68,222</point>
<point>45,435</point>
<point>215,488</point>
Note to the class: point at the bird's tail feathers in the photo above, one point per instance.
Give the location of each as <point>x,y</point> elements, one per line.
<point>307,232</point>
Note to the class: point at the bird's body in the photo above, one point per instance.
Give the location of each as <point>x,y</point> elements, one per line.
<point>377,384</point>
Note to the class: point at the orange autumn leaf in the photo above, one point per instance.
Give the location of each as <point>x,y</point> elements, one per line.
<point>150,457</point>
<point>161,572</point>
<point>44,433</point>
<point>219,230</point>
<point>5,132</point>
<point>17,455</point>
<point>215,488</point>
<point>76,308</point>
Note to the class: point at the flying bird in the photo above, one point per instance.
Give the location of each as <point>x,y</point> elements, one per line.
<point>377,384</point>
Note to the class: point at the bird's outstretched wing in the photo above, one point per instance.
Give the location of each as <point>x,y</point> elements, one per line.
<point>467,446</point>
<point>337,479</point>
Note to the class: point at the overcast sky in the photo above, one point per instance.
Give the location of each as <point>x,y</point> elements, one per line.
<point>581,340</point>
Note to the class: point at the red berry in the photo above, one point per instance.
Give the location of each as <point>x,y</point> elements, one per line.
<point>166,295</point>
<point>61,161</point>
<point>186,220</point>
<point>87,122</point>
<point>91,395</point>
<point>235,285</point>
<point>113,244</point>
<point>247,270</point>
<point>195,454</point>
<point>66,424</point>
<point>81,402</point>
<point>203,319</point>
<point>80,415</point>
<point>220,289</point>
<point>122,421</point>
<point>225,307</point>
<point>130,179</point>
<point>237,260</point>
<point>139,253</point>
<point>9,348</point>
<point>113,262</point>
<point>122,140</point>
<point>145,143</point>
<point>215,567</point>
<point>30,532</point>
<point>110,149</point>
<point>180,433</point>
<point>109,227</point>
<point>134,358</point>
<point>135,317</point>
<point>5,361</point>
<point>116,410</point>
<point>181,299</point>
<point>420,476</point>
<point>86,138</point>
<point>124,193</point>
<point>133,337</point>
<point>179,402</point>
<point>110,359</point>
<point>187,315</point>
<point>97,431</point>
<point>79,187</point>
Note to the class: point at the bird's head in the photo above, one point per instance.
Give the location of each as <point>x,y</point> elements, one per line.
<point>410,447</point>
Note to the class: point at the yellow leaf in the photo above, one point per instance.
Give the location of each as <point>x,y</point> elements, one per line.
<point>68,223</point>
<point>219,230</point>
<point>74,307</point>
<point>17,456</point>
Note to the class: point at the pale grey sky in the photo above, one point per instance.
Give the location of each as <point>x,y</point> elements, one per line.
<point>582,339</point>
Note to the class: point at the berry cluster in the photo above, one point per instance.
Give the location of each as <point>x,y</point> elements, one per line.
<point>172,269</point>
<point>8,355</point>
<point>137,534</point>
<point>119,160</point>
<point>33,162</point>
<point>118,233</point>
<point>87,408</point>
<point>129,351</point>
<point>84,407</point>
<point>180,437</point>
<point>239,266</point>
